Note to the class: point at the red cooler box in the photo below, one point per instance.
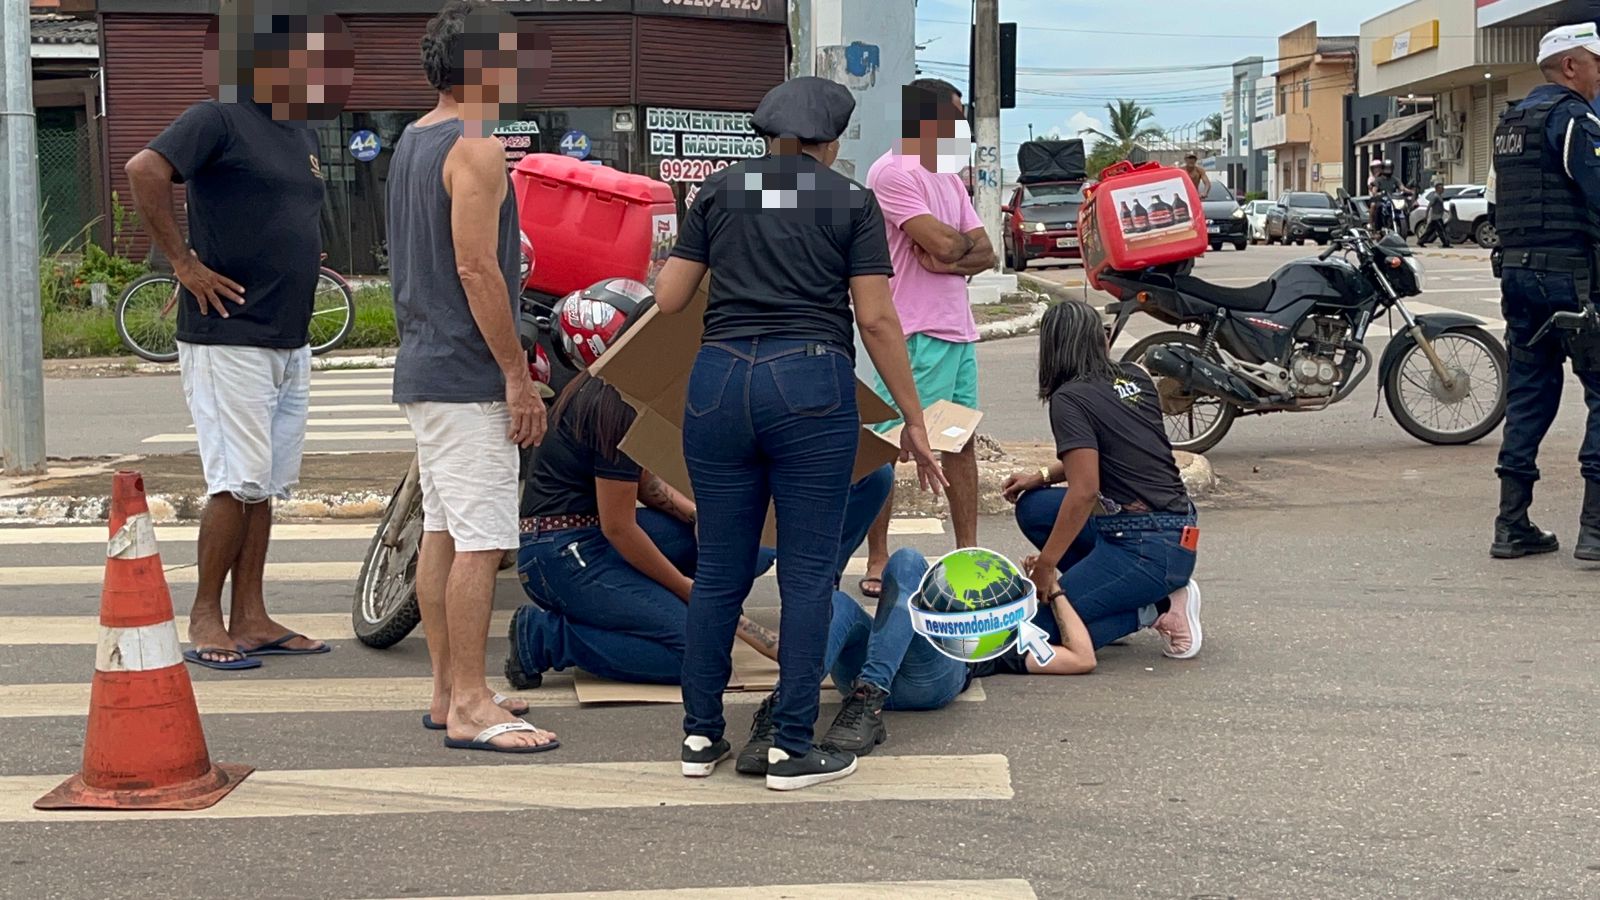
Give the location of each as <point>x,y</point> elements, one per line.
<point>589,222</point>
<point>1140,216</point>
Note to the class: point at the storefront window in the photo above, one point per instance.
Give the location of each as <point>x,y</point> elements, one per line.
<point>353,232</point>
<point>587,133</point>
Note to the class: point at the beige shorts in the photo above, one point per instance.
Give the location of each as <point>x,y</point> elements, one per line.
<point>468,470</point>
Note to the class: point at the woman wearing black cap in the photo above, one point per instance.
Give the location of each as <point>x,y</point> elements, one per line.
<point>771,414</point>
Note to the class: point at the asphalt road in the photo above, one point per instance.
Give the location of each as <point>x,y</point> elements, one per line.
<point>1380,711</point>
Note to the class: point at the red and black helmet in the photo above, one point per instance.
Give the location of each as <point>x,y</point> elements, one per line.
<point>590,321</point>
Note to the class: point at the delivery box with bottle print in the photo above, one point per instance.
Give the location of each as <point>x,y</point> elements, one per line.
<point>1139,216</point>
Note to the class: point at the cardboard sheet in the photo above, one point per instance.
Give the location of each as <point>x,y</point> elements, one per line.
<point>650,367</point>
<point>950,426</point>
<point>752,672</point>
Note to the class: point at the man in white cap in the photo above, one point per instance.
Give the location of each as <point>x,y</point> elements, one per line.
<point>1547,211</point>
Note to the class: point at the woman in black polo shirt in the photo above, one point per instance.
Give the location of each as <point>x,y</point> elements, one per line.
<point>771,414</point>
<point>1118,543</point>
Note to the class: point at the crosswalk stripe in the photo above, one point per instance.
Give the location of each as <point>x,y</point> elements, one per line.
<point>342,408</point>
<point>357,531</point>
<point>45,576</point>
<point>405,435</point>
<point>39,630</point>
<point>347,381</point>
<point>351,423</point>
<point>249,696</point>
<point>998,889</point>
<point>354,392</point>
<point>299,793</point>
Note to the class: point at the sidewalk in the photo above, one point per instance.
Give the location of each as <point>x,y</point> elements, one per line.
<point>358,486</point>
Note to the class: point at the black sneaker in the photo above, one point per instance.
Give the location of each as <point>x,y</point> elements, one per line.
<point>858,727</point>
<point>753,758</point>
<point>701,755</point>
<point>520,680</point>
<point>822,764</point>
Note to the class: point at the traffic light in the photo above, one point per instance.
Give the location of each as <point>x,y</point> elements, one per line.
<point>1008,67</point>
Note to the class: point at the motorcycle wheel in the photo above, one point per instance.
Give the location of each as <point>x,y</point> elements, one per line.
<point>1184,429</point>
<point>386,593</point>
<point>1413,391</point>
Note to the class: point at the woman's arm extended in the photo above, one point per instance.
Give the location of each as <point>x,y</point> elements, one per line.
<point>658,495</point>
<point>1075,653</point>
<point>676,284</point>
<point>1082,468</point>
<point>619,521</point>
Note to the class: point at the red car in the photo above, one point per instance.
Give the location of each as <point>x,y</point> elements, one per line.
<point>1041,222</point>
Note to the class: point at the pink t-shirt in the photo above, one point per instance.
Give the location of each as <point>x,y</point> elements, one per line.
<point>929,303</point>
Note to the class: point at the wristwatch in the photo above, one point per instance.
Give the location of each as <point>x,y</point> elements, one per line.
<point>1044,472</point>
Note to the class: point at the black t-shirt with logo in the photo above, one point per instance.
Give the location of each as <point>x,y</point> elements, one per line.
<point>783,236</point>
<point>561,480</point>
<point>254,192</point>
<point>1122,420</point>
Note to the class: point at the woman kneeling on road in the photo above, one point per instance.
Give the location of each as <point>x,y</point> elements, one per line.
<point>1118,542</point>
<point>609,578</point>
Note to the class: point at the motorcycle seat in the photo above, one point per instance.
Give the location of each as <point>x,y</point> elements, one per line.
<point>1254,298</point>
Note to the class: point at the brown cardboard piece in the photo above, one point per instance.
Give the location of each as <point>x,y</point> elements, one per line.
<point>751,672</point>
<point>950,426</point>
<point>650,367</point>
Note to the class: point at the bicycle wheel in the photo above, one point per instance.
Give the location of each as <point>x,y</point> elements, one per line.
<point>333,312</point>
<point>147,318</point>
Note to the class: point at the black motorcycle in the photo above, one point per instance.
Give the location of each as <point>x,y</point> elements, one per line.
<point>1295,343</point>
<point>386,608</point>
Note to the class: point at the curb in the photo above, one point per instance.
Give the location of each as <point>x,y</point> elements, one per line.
<point>166,509</point>
<point>1007,328</point>
<point>1056,291</point>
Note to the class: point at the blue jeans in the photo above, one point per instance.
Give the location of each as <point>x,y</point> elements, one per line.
<point>1116,567</point>
<point>767,422</point>
<point>610,619</point>
<point>885,651</point>
<point>1533,384</point>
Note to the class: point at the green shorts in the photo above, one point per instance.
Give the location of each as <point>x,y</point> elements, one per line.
<point>943,371</point>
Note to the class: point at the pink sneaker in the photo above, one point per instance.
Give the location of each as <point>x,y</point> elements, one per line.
<point>1180,625</point>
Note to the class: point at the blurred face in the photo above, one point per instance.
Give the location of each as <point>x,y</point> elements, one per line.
<point>500,66</point>
<point>943,141</point>
<point>301,69</point>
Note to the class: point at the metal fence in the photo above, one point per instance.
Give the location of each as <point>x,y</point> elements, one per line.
<point>66,188</point>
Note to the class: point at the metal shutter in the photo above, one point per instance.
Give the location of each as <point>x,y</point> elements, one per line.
<point>1481,140</point>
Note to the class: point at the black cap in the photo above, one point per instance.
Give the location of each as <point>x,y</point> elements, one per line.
<point>809,109</point>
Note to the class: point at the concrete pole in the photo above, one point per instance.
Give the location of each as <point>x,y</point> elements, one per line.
<point>21,339</point>
<point>986,108</point>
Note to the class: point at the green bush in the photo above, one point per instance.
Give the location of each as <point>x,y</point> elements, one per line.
<point>78,333</point>
<point>374,325</point>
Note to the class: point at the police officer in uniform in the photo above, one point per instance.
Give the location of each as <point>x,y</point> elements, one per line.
<point>1547,211</point>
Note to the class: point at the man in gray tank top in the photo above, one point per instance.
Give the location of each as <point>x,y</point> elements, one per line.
<point>461,375</point>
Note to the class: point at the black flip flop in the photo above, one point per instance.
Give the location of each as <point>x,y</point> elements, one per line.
<point>482,741</point>
<point>431,725</point>
<point>237,660</point>
<point>871,593</point>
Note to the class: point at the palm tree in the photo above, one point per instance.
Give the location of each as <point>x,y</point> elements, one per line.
<point>1212,130</point>
<point>1125,126</point>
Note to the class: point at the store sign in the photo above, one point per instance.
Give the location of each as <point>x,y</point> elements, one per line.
<point>695,143</point>
<point>518,138</point>
<point>759,10</point>
<point>1407,43</point>
<point>576,145</point>
<point>365,145</point>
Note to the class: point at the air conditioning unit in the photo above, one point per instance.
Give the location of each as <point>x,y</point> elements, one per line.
<point>1430,158</point>
<point>1451,124</point>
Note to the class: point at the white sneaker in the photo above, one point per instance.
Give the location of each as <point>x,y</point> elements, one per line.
<point>1180,625</point>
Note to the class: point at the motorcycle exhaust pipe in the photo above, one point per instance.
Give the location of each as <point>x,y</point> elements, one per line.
<point>1199,375</point>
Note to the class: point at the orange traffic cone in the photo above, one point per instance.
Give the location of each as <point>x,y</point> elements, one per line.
<point>145,748</point>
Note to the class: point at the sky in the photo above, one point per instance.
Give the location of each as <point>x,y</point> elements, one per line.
<point>1120,34</point>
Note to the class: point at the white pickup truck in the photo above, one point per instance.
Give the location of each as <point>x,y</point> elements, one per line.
<point>1468,208</point>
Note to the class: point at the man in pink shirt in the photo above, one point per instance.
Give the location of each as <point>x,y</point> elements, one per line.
<point>935,241</point>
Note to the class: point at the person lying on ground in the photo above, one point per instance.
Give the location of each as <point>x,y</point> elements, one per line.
<point>1119,539</point>
<point>878,662</point>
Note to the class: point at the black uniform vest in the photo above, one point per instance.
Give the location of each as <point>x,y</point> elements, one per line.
<point>1536,204</point>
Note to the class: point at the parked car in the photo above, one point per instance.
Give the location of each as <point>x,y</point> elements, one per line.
<point>1255,217</point>
<point>1302,215</point>
<point>1469,219</point>
<point>1225,218</point>
<point>1042,222</point>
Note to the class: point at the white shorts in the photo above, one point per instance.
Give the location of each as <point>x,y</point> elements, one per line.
<point>249,406</point>
<point>469,472</point>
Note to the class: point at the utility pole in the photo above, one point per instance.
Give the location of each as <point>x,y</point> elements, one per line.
<point>986,109</point>
<point>21,340</point>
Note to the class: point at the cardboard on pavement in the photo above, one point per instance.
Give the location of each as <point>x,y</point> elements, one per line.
<point>650,367</point>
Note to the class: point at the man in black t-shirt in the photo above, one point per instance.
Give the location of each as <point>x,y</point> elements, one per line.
<point>254,184</point>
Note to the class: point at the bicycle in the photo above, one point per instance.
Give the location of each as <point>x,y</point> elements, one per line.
<point>147,315</point>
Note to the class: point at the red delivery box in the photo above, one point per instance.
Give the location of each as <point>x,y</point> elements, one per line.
<point>588,222</point>
<point>1140,216</point>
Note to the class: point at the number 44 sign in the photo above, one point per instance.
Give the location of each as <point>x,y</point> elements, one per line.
<point>365,145</point>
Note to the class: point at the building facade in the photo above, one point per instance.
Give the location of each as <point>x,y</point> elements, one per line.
<point>617,93</point>
<point>65,58</point>
<point>1306,132</point>
<point>1468,61</point>
<point>1242,162</point>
